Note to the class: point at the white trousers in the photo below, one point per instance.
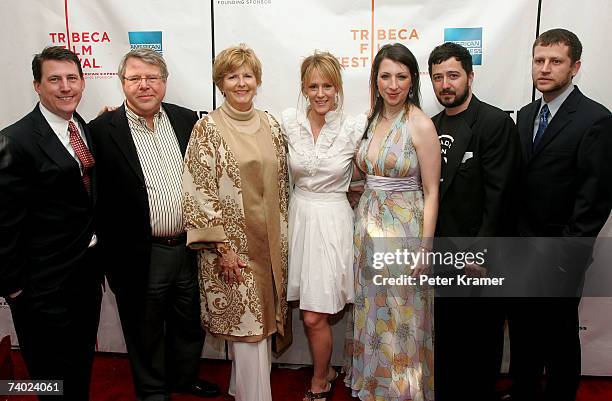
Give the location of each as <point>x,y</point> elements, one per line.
<point>250,380</point>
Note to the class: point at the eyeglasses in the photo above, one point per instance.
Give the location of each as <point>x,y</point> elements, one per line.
<point>151,80</point>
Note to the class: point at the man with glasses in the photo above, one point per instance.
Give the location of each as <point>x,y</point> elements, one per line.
<point>153,274</point>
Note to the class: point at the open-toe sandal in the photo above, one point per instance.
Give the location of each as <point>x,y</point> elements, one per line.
<point>323,395</point>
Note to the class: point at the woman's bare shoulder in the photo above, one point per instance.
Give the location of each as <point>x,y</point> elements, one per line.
<point>420,122</point>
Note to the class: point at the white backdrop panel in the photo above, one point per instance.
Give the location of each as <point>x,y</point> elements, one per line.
<point>186,45</point>
<point>99,34</point>
<point>590,21</point>
<point>25,31</point>
<point>283,33</point>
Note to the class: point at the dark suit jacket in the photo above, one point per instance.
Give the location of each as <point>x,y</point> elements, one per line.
<point>46,215</point>
<point>123,205</point>
<point>474,195</point>
<point>565,191</point>
<point>566,180</point>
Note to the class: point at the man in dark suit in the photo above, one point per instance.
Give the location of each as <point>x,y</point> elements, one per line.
<point>154,277</point>
<point>480,154</point>
<point>48,270</point>
<point>564,200</point>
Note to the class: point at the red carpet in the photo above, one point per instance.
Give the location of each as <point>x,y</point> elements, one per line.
<point>6,363</point>
<point>112,382</point>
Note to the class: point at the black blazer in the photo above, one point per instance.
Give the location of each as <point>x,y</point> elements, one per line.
<point>565,194</point>
<point>566,180</point>
<point>123,206</point>
<point>475,194</point>
<point>46,215</point>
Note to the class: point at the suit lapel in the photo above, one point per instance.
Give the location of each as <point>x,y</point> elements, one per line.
<point>461,141</point>
<point>122,136</point>
<point>526,130</point>
<point>564,116</point>
<point>51,145</point>
<point>57,152</point>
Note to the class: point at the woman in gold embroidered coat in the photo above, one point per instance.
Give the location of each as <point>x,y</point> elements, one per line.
<point>235,205</point>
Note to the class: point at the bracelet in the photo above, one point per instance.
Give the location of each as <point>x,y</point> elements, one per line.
<point>222,249</point>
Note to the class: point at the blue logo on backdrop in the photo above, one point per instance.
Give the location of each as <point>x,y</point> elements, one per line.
<point>150,39</point>
<point>470,38</point>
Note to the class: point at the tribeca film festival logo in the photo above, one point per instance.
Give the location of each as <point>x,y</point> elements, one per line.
<point>148,39</point>
<point>470,38</point>
<point>369,41</point>
<point>404,257</point>
<point>85,44</point>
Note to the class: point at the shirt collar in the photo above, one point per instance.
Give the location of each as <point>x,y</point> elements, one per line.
<point>57,123</point>
<point>555,104</point>
<point>331,118</point>
<point>141,120</point>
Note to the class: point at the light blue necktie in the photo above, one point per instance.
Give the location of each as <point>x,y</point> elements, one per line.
<point>544,114</point>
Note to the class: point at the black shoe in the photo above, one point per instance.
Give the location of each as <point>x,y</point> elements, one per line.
<point>201,388</point>
<point>506,396</point>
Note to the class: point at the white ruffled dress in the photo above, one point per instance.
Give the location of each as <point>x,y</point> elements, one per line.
<point>320,217</point>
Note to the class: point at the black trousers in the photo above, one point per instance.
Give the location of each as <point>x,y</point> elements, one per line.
<point>161,327</point>
<point>468,347</point>
<point>57,330</point>
<point>544,335</point>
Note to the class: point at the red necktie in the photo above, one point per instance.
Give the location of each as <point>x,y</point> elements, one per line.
<point>84,155</point>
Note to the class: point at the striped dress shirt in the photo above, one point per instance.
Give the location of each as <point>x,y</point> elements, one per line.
<point>162,165</point>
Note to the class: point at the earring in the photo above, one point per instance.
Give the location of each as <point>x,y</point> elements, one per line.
<point>410,93</point>
<point>337,99</point>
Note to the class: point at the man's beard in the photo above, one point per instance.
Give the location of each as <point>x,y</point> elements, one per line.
<point>458,101</point>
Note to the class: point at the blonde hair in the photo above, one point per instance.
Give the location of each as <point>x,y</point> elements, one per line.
<point>233,58</point>
<point>328,66</point>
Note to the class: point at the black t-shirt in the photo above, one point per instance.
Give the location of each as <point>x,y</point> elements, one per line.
<point>446,133</point>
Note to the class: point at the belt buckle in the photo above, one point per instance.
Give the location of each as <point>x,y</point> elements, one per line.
<point>173,241</point>
<point>169,241</point>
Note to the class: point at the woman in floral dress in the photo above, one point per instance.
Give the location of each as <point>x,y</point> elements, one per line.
<point>390,344</point>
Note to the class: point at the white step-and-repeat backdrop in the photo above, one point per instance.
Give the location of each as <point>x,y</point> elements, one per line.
<point>282,33</point>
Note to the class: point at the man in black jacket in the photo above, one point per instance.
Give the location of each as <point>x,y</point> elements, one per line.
<point>480,155</point>
<point>154,277</point>
<point>564,200</point>
<point>48,270</point>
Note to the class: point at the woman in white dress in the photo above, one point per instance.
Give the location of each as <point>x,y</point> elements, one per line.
<point>322,141</point>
